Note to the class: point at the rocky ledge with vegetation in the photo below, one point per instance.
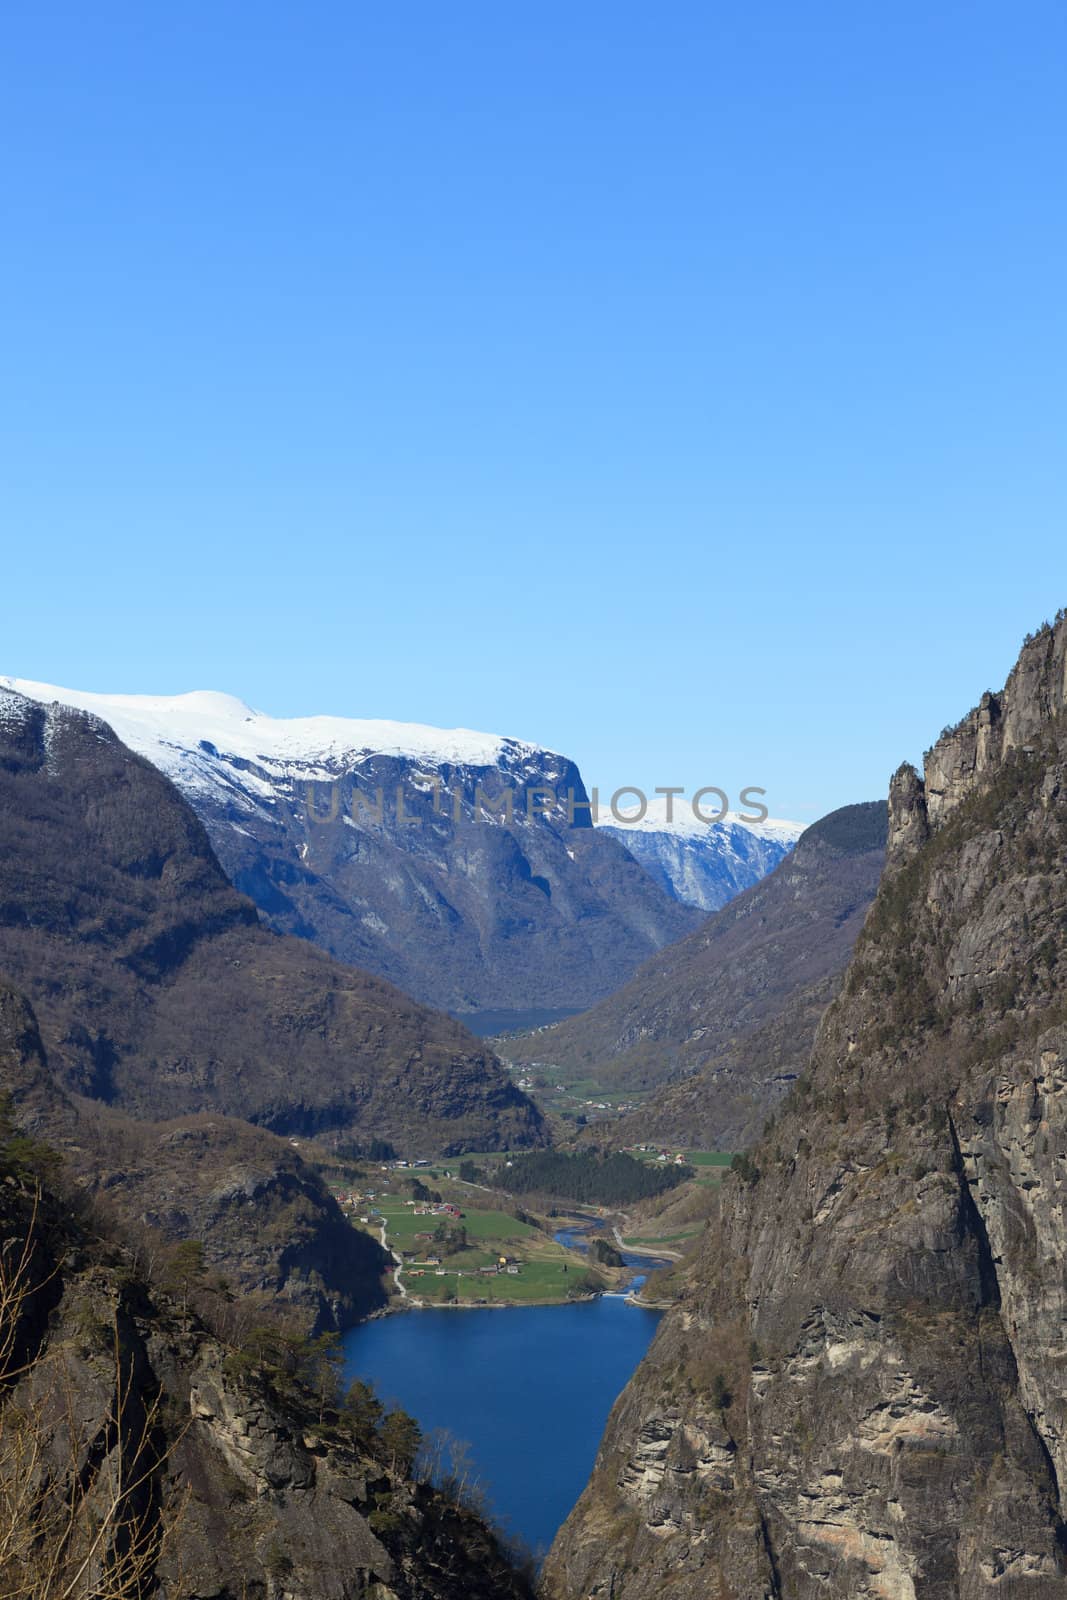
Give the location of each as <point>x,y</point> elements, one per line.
<point>150,1446</point>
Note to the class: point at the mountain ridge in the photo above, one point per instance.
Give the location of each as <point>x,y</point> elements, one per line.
<point>704,864</point>
<point>462,906</point>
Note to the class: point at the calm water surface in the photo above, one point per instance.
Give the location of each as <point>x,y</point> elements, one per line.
<point>529,1388</point>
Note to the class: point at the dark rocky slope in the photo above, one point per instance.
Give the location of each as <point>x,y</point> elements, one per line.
<point>861,1392</point>
<point>267,1223</point>
<point>142,1455</point>
<point>157,990</point>
<point>727,1016</point>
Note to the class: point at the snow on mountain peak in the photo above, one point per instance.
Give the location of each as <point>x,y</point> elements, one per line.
<point>171,729</point>
<point>683,820</point>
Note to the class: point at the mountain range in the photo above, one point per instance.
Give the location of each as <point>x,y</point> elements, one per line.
<point>392,846</point>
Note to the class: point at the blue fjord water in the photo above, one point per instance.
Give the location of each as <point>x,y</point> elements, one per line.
<point>529,1388</point>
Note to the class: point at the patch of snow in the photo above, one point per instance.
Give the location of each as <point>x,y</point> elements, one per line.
<point>13,707</point>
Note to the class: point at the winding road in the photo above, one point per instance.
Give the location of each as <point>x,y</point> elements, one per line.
<point>397,1278</point>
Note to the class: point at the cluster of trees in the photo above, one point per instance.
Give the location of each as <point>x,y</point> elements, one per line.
<point>450,1241</point>
<point>605,1253</point>
<point>365,1150</point>
<point>23,1157</point>
<point>745,1168</point>
<point>589,1178</point>
<point>313,1367</point>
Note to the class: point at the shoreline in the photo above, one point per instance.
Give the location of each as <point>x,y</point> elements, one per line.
<point>409,1303</point>
<point>659,1254</point>
<point>399,1304</point>
<point>490,1305</point>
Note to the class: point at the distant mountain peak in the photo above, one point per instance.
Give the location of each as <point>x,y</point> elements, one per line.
<point>677,815</point>
<point>703,864</point>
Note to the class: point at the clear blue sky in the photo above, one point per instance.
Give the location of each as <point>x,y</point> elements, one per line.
<point>683,387</point>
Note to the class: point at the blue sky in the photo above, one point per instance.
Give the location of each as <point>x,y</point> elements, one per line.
<point>682,387</point>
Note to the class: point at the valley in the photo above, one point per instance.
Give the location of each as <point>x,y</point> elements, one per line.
<point>533,829</point>
<point>291,1150</point>
<point>467,1242</point>
<point>710,1034</point>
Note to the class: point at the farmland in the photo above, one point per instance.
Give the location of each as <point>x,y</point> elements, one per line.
<point>483,1256</point>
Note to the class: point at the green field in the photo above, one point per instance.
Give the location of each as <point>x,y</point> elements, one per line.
<point>562,1095</point>
<point>547,1271</point>
<point>539,1279</point>
<point>402,1224</point>
<point>709,1166</point>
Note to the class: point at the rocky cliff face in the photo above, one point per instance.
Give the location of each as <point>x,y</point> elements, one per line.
<point>861,1393</point>
<point>726,1017</point>
<point>444,861</point>
<point>158,992</point>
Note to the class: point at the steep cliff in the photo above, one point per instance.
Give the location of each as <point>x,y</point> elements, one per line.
<point>157,991</point>
<point>861,1391</point>
<point>726,1017</point>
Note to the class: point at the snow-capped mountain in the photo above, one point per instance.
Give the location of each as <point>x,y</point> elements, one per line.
<point>201,740</point>
<point>443,860</point>
<point>702,864</point>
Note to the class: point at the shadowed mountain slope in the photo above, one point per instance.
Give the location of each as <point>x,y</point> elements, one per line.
<point>266,1221</point>
<point>732,1009</point>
